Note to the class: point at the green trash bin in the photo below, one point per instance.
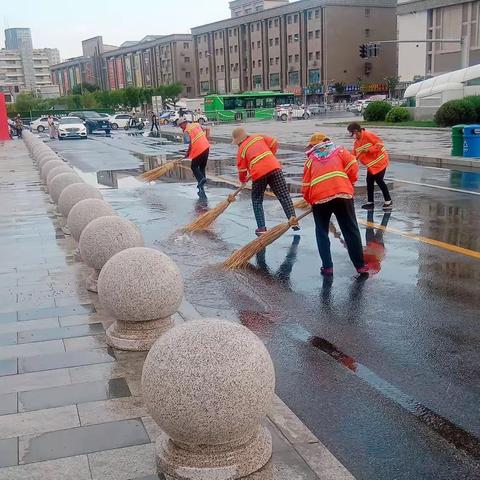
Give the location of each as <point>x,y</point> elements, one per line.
<point>457,140</point>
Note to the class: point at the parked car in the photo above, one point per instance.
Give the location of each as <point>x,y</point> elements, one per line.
<point>71,127</point>
<point>93,121</point>
<point>283,112</point>
<point>189,115</point>
<point>104,115</point>
<point>317,109</point>
<point>41,124</point>
<point>119,120</point>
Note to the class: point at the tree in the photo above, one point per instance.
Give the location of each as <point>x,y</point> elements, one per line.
<point>392,83</point>
<point>84,87</point>
<point>339,88</point>
<point>132,96</point>
<point>171,92</point>
<point>24,102</point>
<point>117,98</point>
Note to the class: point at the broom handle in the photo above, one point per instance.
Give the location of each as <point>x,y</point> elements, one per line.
<point>304,214</point>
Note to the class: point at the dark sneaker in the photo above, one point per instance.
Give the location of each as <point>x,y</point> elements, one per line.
<point>327,272</point>
<point>388,205</point>
<point>202,183</point>
<point>295,228</point>
<point>260,231</point>
<point>368,206</point>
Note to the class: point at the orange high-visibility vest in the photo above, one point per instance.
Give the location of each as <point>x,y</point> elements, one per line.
<point>198,140</point>
<point>371,151</point>
<point>325,177</point>
<point>256,157</point>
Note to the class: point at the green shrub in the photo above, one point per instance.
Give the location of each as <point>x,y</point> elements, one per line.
<point>376,111</point>
<point>397,115</point>
<point>474,100</point>
<point>455,112</point>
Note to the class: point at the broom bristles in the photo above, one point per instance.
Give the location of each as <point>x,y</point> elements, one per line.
<point>205,220</point>
<point>241,257</point>
<point>158,172</point>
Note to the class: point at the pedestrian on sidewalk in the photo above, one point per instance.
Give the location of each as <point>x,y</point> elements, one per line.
<point>51,127</point>
<point>370,150</point>
<point>18,126</point>
<point>256,160</point>
<point>329,175</point>
<point>198,149</point>
<point>154,123</point>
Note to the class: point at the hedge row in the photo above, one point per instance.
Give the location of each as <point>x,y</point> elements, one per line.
<point>457,112</point>
<point>383,111</point>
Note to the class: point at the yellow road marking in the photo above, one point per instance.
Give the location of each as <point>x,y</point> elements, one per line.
<point>419,238</point>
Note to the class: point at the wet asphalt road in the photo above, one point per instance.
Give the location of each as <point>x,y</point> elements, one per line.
<point>386,372</point>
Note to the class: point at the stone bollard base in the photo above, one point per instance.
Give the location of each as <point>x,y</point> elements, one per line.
<point>92,280</point>
<point>207,462</point>
<point>137,336</point>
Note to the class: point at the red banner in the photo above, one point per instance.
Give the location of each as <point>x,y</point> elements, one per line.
<point>3,119</point>
<point>120,74</point>
<point>111,74</point>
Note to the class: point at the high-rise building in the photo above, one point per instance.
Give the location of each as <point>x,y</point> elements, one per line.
<point>21,39</point>
<point>436,19</point>
<point>299,47</point>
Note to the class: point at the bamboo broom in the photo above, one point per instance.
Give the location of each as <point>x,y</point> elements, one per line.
<point>241,257</point>
<point>160,171</point>
<point>205,220</point>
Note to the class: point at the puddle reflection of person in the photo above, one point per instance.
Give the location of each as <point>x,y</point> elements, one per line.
<point>374,251</point>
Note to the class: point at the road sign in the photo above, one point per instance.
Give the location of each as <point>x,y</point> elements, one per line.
<point>157,104</point>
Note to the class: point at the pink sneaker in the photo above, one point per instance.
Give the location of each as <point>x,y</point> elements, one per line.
<point>363,270</point>
<point>260,231</point>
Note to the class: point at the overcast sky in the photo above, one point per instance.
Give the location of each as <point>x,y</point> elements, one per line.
<point>65,23</point>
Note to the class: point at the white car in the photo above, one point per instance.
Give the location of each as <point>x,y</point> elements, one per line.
<point>189,115</point>
<point>41,124</point>
<point>71,127</point>
<point>119,120</point>
<point>283,112</point>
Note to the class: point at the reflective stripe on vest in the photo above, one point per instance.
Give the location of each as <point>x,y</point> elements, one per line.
<point>198,136</point>
<point>359,150</point>
<point>353,162</point>
<point>308,164</point>
<point>258,158</point>
<point>249,144</point>
<point>328,176</point>
<point>381,157</point>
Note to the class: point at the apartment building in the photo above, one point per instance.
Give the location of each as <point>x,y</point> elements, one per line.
<point>295,46</point>
<point>150,62</point>
<point>245,7</point>
<point>436,19</point>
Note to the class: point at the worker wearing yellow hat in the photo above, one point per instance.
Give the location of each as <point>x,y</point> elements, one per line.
<point>329,175</point>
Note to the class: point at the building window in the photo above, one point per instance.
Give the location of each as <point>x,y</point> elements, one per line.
<point>277,41</point>
<point>216,35</point>
<point>185,45</point>
<point>270,42</point>
<point>187,75</point>
<point>235,32</point>
<point>270,24</point>
<point>317,55</point>
<point>205,38</point>
<point>253,45</point>
<point>235,48</point>
<point>258,26</point>
<point>317,13</point>
<point>289,39</point>
<point>231,49</point>
<point>367,12</point>
<point>216,51</point>
<point>297,58</point>
<point>251,27</point>
<point>253,63</point>
<point>310,15</point>
<point>310,35</point>
<point>295,37</point>
<point>189,89</point>
<point>222,68</point>
<point>206,53</point>
<point>271,61</point>
<point>295,18</point>
<point>289,19</point>
<point>293,78</point>
<point>277,60</point>
<point>257,82</point>
<point>290,58</point>
<point>367,33</point>
<point>201,71</point>
<point>275,22</point>
<point>274,80</point>
<point>317,33</point>
<point>229,32</point>
<point>218,68</point>
<point>310,55</point>
<point>220,34</point>
<point>258,44</point>
<point>221,50</point>
<point>187,59</point>
<point>200,54</point>
<point>204,87</point>
<point>206,70</point>
<point>259,63</point>
<point>314,76</point>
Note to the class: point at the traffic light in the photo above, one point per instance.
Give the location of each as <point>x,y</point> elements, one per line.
<point>363,51</point>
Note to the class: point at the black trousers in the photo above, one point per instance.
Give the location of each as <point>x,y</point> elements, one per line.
<point>279,187</point>
<point>199,165</point>
<point>378,179</point>
<point>154,125</point>
<point>344,211</point>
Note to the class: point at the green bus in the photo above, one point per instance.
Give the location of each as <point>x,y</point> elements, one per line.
<point>247,105</point>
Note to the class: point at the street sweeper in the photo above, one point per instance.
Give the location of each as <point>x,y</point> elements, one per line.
<point>329,175</point>
<point>256,160</point>
<point>198,149</point>
<point>370,150</point>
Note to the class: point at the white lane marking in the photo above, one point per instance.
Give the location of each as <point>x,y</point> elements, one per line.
<point>434,186</point>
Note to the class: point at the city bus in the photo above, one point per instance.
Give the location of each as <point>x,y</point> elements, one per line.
<point>247,105</point>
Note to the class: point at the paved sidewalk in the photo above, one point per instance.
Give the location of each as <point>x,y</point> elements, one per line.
<point>70,407</point>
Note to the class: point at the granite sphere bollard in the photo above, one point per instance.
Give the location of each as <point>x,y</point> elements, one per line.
<point>60,182</point>
<point>46,157</point>
<point>75,193</point>
<point>57,171</point>
<point>48,167</point>
<point>84,212</point>
<point>102,238</point>
<point>142,288</point>
<point>208,384</point>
